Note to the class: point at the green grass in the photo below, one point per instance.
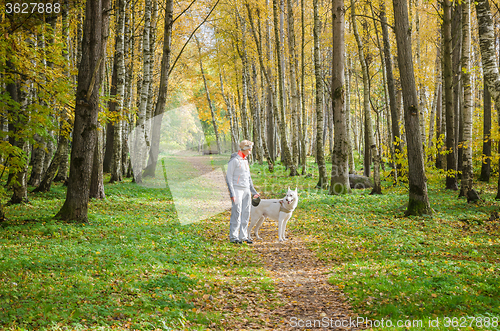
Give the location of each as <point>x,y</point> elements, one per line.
<point>133,266</point>
<point>396,267</point>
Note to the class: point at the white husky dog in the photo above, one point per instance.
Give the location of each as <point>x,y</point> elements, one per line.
<point>276,209</point>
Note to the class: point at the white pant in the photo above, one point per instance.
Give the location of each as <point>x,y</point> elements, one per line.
<point>240,214</point>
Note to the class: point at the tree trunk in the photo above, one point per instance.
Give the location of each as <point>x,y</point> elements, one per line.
<point>488,55</point>
<point>486,154</point>
<point>97,179</point>
<point>418,203</point>
<point>232,128</point>
<point>140,150</point>
<point>451,161</point>
<point>457,83</point>
<point>163,90</point>
<point>38,155</point>
<point>320,156</point>
<point>396,135</point>
<point>280,114</point>
<point>60,154</point>
<point>95,33</point>
<point>209,100</point>
<point>441,117</point>
<point>370,145</point>
<point>19,181</point>
<point>303,138</point>
<point>294,106</point>
<point>435,103</point>
<point>339,183</point>
<point>347,71</point>
<point>129,89</point>
<point>467,109</point>
<point>119,71</point>
<point>255,110</point>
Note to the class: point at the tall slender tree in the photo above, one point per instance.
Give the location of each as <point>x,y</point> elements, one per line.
<point>488,54</point>
<point>278,34</point>
<point>418,203</point>
<point>451,161</point>
<point>486,159</point>
<point>320,156</point>
<point>467,103</point>
<point>371,150</point>
<point>119,71</point>
<point>340,157</point>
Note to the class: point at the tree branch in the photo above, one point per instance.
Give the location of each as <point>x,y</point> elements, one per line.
<point>185,10</point>
<point>191,36</point>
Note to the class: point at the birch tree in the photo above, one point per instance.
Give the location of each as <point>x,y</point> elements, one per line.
<point>320,156</point>
<point>140,139</point>
<point>294,106</point>
<point>488,54</point>
<point>467,173</point>
<point>371,150</point>
<point>339,183</point>
<point>116,162</point>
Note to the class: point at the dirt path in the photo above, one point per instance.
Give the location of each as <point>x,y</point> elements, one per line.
<point>302,281</point>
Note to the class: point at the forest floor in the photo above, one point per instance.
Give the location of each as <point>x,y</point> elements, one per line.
<point>301,279</point>
<point>135,266</point>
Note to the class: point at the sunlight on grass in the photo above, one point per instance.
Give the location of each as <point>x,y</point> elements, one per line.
<point>397,267</point>
<point>133,266</point>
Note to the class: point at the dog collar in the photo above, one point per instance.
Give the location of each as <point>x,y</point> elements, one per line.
<point>283,209</point>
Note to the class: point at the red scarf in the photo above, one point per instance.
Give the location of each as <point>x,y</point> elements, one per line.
<point>240,153</point>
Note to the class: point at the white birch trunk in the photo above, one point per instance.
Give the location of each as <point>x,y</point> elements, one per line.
<point>467,106</point>
<point>139,152</point>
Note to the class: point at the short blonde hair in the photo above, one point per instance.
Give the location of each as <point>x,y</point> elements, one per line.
<point>246,144</point>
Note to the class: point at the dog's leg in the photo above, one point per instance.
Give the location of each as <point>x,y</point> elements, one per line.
<point>250,227</point>
<point>257,227</point>
<point>281,218</point>
<point>285,221</point>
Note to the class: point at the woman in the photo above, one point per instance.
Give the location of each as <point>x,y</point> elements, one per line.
<point>241,190</point>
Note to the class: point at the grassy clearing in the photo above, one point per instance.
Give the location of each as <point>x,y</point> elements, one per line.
<point>400,268</point>
<point>132,267</point>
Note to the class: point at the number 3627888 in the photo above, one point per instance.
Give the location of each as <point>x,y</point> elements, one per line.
<point>32,8</point>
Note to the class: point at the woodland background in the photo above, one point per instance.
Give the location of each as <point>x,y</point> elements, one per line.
<point>261,71</point>
<point>401,92</point>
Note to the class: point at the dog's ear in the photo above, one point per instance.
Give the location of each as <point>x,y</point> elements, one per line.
<point>295,188</point>
<point>288,188</point>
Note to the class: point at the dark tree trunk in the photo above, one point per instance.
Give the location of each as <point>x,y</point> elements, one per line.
<point>457,83</point>
<point>95,33</point>
<point>418,203</point>
<point>451,159</point>
<point>486,158</point>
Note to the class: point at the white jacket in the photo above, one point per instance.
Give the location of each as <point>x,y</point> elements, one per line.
<point>238,174</point>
